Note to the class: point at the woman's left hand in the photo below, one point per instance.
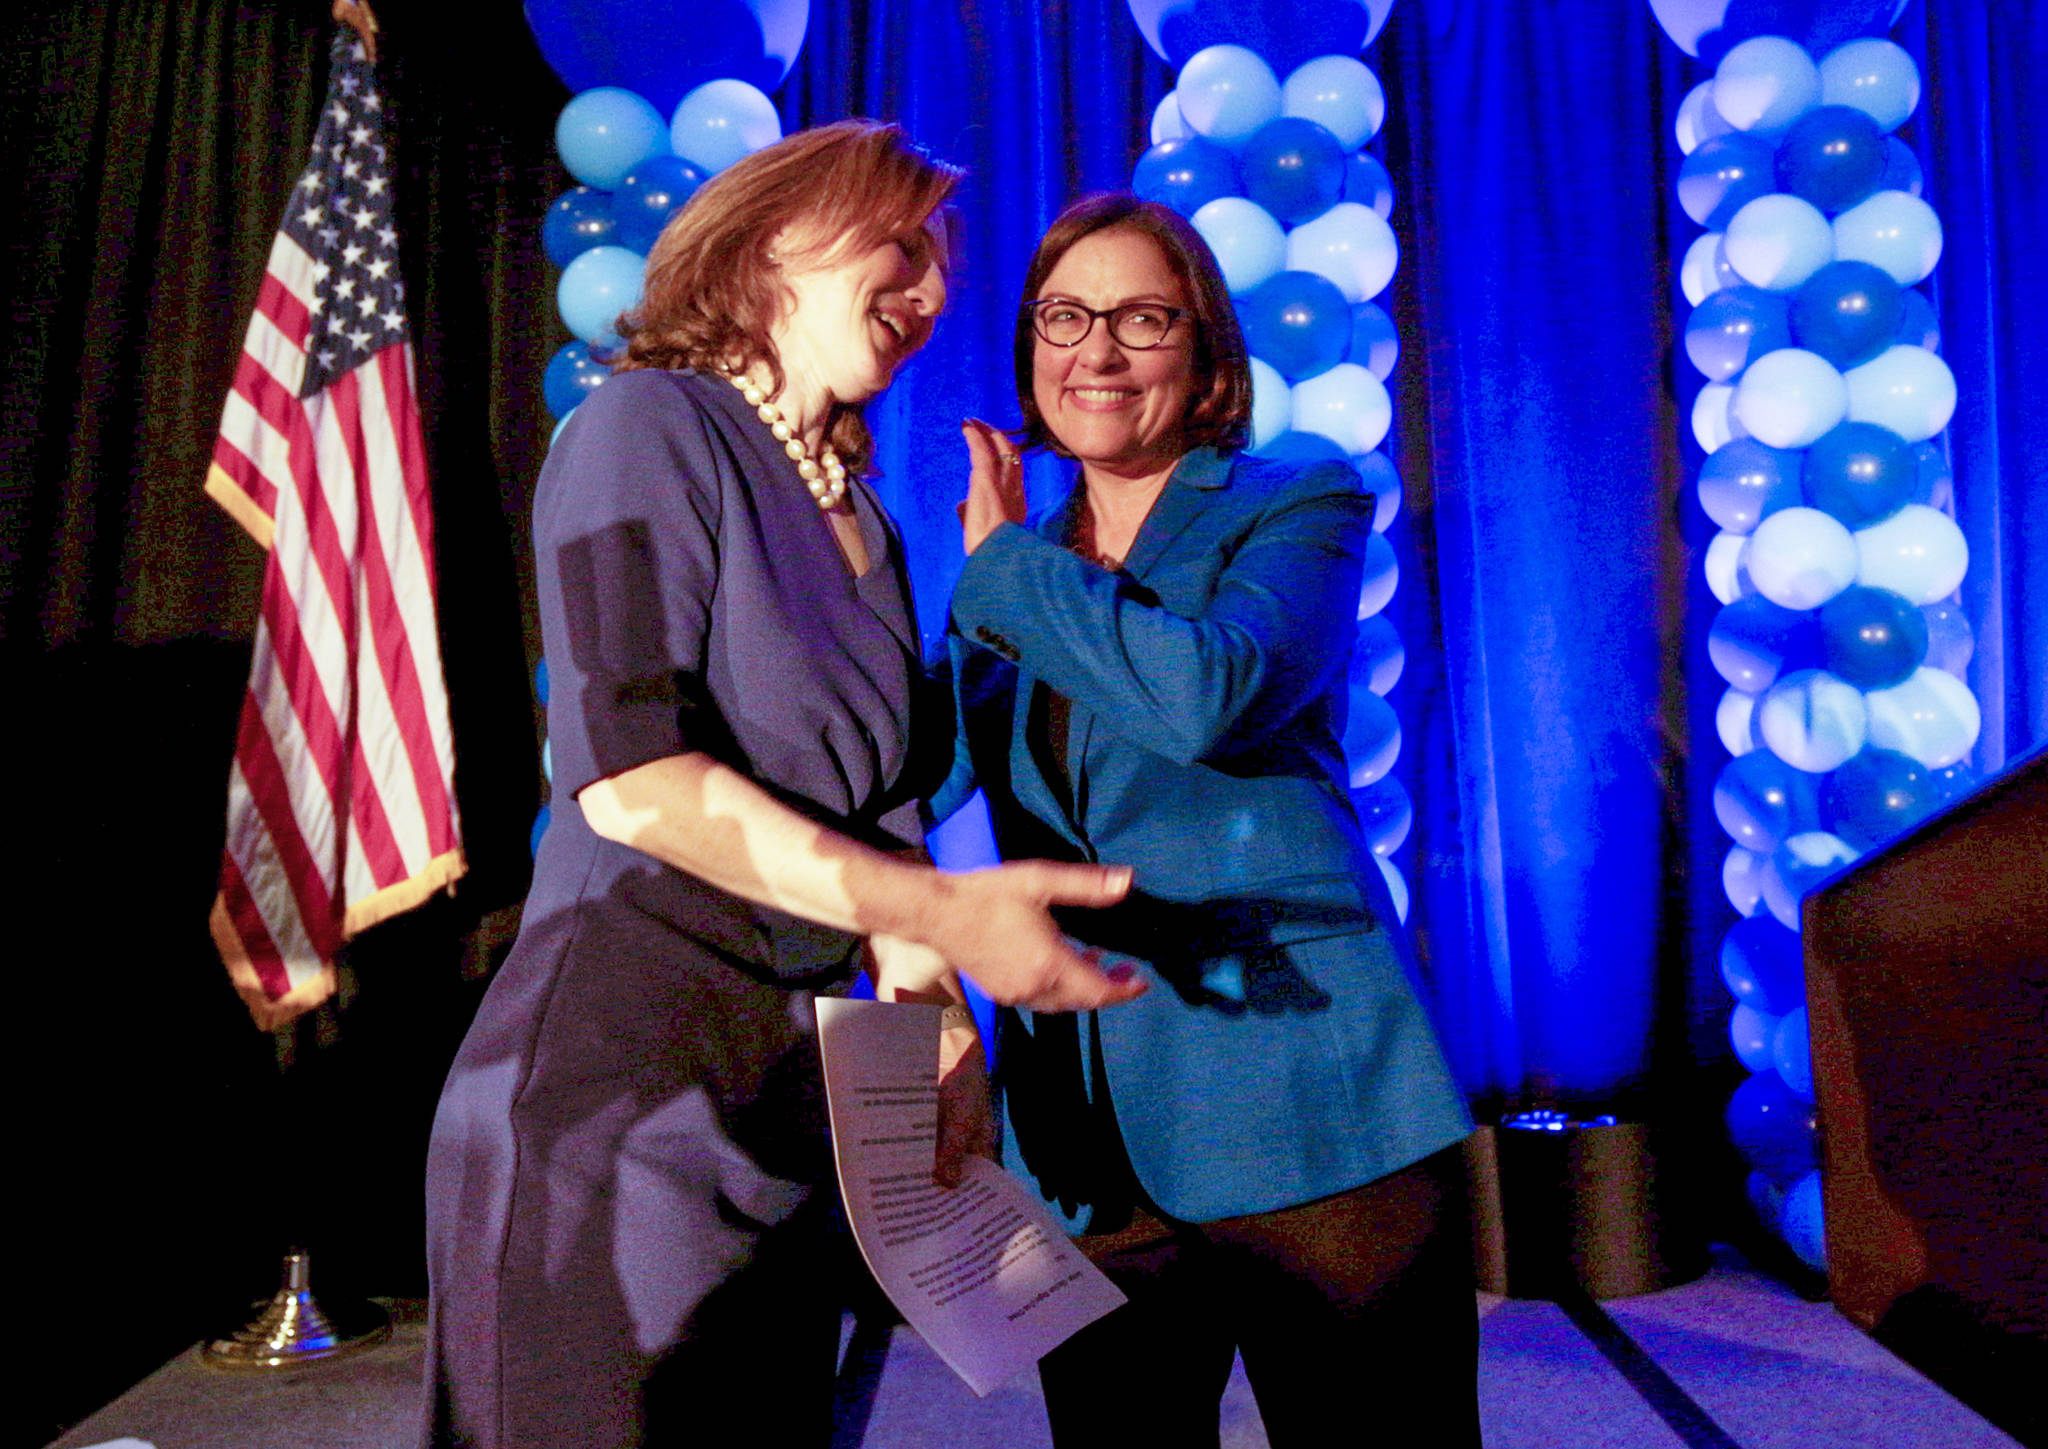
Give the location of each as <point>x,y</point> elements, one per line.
<point>995,483</point>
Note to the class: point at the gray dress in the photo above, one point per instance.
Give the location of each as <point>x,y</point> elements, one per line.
<point>628,1191</point>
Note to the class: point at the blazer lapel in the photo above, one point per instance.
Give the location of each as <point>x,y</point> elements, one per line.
<point>1186,494</point>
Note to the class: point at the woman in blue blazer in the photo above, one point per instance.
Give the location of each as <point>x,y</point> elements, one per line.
<point>1261,1150</point>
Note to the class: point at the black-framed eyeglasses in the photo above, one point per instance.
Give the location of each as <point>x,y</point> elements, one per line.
<point>1137,325</point>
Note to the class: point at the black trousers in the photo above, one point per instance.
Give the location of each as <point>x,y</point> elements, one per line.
<point>1350,1312</point>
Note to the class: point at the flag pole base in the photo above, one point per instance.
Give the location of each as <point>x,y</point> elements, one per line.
<point>292,1329</point>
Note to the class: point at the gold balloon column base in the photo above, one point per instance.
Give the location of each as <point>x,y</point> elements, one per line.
<point>293,1329</point>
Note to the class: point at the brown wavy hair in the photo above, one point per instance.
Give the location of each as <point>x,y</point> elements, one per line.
<point>832,192</point>
<point>1222,415</point>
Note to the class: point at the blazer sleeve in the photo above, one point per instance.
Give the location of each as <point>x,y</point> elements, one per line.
<point>1277,622</point>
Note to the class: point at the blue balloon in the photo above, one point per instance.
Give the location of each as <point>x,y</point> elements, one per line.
<point>1743,482</point>
<point>1877,796</point>
<point>1284,32</point>
<point>1901,168</point>
<point>1368,183</point>
<point>1873,638</point>
<point>1753,640</point>
<point>1802,1221</point>
<point>540,828</point>
<point>1761,801</point>
<point>1819,25</point>
<point>1375,344</point>
<point>1186,174</point>
<point>1297,321</point>
<point>1775,1130</point>
<point>1763,964</point>
<point>1918,326</point>
<point>1377,654</point>
<point>654,191</point>
<point>1724,174</point>
<point>604,133</point>
<point>1294,168</point>
<point>1295,446</point>
<point>1833,156</point>
<point>572,374</point>
<point>1952,782</point>
<point>665,48</point>
<point>1791,1054</point>
<point>1950,640</point>
<point>1385,814</point>
<point>1732,328</point>
<point>1376,472</point>
<point>540,681</point>
<point>1372,737</point>
<point>1848,312</point>
<point>595,288</point>
<point>581,218</point>
<point>1936,480</point>
<point>1751,1033</point>
<point>1861,473</point>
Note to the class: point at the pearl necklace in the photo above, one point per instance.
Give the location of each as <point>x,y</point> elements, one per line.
<point>824,475</point>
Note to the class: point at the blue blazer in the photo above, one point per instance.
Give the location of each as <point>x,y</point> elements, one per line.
<point>1282,1053</point>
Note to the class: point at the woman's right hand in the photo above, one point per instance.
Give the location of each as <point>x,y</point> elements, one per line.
<point>995,483</point>
<point>993,926</point>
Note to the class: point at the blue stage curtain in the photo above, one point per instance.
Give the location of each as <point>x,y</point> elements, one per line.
<point>1558,704</point>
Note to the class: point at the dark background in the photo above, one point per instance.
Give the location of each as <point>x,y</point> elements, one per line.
<point>1565,861</point>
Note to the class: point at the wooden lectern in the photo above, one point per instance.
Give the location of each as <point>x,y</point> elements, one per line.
<point>1927,992</point>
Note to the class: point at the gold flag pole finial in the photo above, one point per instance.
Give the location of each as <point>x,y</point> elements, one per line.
<point>355,14</point>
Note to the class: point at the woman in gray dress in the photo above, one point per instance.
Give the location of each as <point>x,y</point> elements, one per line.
<point>628,1187</point>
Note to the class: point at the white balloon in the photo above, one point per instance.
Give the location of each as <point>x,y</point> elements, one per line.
<point>1699,275</point>
<point>1713,416</point>
<point>1735,720</point>
<point>1813,720</point>
<point>1272,410</point>
<point>1816,850</point>
<point>1742,879</point>
<point>1877,77</point>
<point>1352,245</point>
<point>1697,119</point>
<point>1248,244</point>
<point>1168,124</point>
<point>1895,231</point>
<point>1777,241</point>
<point>1790,398</point>
<point>1727,579</point>
<point>1226,93</point>
<point>1800,558</point>
<point>1765,84</point>
<point>1347,405</point>
<point>1338,93</point>
<point>1397,887</point>
<point>1918,552</point>
<point>1381,576</point>
<point>1932,717</point>
<point>1907,389</point>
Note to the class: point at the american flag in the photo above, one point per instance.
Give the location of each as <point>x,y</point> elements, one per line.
<point>341,806</point>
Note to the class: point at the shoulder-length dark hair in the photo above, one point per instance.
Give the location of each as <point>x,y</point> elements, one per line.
<point>713,289</point>
<point>1221,416</point>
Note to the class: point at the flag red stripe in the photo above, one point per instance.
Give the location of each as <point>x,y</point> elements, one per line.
<point>264,957</point>
<point>242,469</point>
<point>271,792</point>
<point>275,301</point>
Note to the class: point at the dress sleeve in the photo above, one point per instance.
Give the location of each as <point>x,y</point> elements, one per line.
<point>1278,621</point>
<point>626,558</point>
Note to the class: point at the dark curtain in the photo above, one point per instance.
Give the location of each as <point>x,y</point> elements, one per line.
<point>1557,705</point>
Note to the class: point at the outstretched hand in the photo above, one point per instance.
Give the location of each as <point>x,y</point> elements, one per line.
<point>995,483</point>
<point>993,926</point>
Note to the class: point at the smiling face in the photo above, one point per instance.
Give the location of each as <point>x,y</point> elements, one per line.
<point>853,319</point>
<point>1118,409</point>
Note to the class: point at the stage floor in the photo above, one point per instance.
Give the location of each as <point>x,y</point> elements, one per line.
<point>1734,1359</point>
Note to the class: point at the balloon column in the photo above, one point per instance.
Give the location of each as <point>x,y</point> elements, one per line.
<point>1840,637</point>
<point>651,121</point>
<point>1272,173</point>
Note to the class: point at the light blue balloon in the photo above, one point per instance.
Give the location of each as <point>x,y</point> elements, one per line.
<point>1950,640</point>
<point>1385,813</point>
<point>1764,84</point>
<point>1893,231</point>
<point>1382,576</point>
<point>1376,472</point>
<point>1347,405</point>
<point>605,132</point>
<point>1751,1033</point>
<point>721,121</point>
<point>1339,94</point>
<point>1778,241</point>
<point>595,288</point>
<point>1799,866</point>
<point>1226,93</point>
<point>1742,880</point>
<point>1375,344</point>
<point>1877,77</point>
<point>1271,409</point>
<point>1377,655</point>
<point>1248,244</point>
<point>1802,1222</point>
<point>1790,1052</point>
<point>1352,245</point>
<point>1906,389</point>
<point>1812,720</point>
<point>1372,738</point>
